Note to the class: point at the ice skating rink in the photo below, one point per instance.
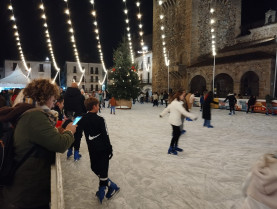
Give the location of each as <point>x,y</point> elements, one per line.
<point>207,175</point>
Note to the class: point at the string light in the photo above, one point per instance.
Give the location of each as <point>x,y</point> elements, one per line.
<point>18,43</point>
<point>48,40</point>
<point>93,13</point>
<point>162,17</point>
<point>72,38</point>
<point>128,31</point>
<point>140,26</point>
<point>212,22</point>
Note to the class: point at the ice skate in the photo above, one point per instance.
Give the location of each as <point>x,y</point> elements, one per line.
<point>100,194</point>
<point>113,189</point>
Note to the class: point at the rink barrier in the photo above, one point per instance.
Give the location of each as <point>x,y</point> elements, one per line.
<point>259,107</point>
<point>57,198</point>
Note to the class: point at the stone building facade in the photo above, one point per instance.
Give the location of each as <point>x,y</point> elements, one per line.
<point>40,69</point>
<point>244,64</point>
<point>93,74</point>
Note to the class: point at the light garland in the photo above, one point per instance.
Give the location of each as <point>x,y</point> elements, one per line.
<point>162,17</point>
<point>18,43</point>
<point>141,37</point>
<point>67,12</point>
<point>48,40</point>
<point>212,22</point>
<point>213,31</point>
<point>128,31</point>
<point>96,30</point>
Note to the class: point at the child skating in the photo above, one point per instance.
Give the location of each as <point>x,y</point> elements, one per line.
<point>99,147</point>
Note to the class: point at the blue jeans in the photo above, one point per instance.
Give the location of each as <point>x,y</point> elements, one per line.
<point>113,109</point>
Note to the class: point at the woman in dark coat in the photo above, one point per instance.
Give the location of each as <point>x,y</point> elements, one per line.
<point>206,114</point>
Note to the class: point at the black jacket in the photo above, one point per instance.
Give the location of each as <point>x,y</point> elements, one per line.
<point>232,99</point>
<point>98,141</point>
<point>74,101</point>
<point>206,114</point>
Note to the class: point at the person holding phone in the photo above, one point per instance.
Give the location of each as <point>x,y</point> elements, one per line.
<point>36,129</point>
<point>99,147</point>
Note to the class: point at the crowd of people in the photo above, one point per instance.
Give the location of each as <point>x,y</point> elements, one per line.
<point>43,116</point>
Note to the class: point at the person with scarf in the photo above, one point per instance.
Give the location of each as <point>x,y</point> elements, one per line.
<point>35,127</point>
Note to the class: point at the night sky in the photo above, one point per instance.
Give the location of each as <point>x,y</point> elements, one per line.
<point>111,22</point>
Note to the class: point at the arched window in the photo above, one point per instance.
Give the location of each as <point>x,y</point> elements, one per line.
<point>223,84</point>
<point>198,83</point>
<point>249,84</point>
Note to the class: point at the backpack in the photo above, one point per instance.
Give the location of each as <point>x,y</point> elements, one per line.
<point>8,166</point>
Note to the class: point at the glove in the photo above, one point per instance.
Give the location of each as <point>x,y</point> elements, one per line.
<point>110,155</point>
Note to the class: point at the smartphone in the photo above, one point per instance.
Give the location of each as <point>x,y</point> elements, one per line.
<point>76,120</point>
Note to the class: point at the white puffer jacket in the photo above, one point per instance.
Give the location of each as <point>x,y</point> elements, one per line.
<point>176,110</point>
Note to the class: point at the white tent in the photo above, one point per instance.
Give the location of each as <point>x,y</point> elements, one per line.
<point>15,80</point>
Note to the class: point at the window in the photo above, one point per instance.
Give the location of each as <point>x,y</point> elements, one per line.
<point>83,79</point>
<point>141,67</point>
<point>14,66</point>
<point>41,68</point>
<point>83,87</point>
<point>96,87</point>
<point>148,60</point>
<point>91,78</point>
<point>74,69</point>
<point>96,78</point>
<point>91,70</point>
<point>96,70</point>
<point>29,65</point>
<point>91,87</point>
<point>74,78</point>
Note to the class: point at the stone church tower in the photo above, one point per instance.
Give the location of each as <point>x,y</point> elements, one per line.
<point>189,46</point>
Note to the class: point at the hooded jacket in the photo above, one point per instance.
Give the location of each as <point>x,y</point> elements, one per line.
<point>31,185</point>
<point>261,186</point>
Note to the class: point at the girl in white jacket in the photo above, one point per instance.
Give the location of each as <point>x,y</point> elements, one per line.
<point>176,110</point>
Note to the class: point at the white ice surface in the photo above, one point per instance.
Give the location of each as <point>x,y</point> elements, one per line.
<point>207,175</point>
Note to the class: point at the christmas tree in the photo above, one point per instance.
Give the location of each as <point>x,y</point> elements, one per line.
<point>123,78</point>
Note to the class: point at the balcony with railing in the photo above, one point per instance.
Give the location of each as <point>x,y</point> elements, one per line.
<point>146,81</point>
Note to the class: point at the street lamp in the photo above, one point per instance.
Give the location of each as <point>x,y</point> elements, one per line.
<point>214,71</point>
<point>274,84</point>
<point>167,61</point>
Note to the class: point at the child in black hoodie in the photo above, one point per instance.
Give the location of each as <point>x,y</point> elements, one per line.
<point>99,147</point>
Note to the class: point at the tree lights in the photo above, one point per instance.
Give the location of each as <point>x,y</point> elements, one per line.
<point>72,38</point>
<point>48,40</point>
<point>18,43</point>
<point>96,30</point>
<point>128,31</point>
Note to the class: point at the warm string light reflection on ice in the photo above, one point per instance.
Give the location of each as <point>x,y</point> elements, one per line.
<point>128,31</point>
<point>18,43</point>
<point>162,17</point>
<point>48,40</point>
<point>93,13</point>
<point>71,30</point>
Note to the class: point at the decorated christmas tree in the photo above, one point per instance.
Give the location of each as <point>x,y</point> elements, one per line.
<point>123,78</point>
